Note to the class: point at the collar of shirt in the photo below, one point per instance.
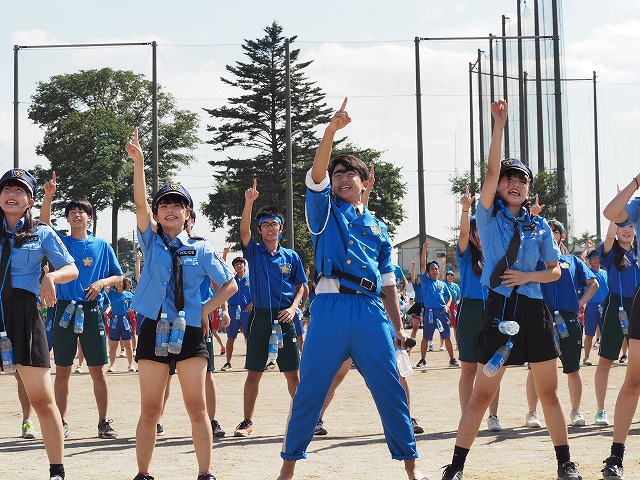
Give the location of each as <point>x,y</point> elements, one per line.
<point>181,239</point>
<point>16,228</point>
<point>263,248</point>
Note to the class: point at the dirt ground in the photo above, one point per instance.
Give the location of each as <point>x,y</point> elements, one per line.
<point>353,449</point>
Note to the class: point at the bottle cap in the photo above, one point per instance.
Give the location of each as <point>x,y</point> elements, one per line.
<point>3,334</point>
<point>163,315</point>
<point>181,313</point>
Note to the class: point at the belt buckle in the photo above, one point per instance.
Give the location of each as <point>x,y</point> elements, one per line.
<point>367,284</point>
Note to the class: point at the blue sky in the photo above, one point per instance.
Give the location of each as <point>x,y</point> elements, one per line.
<point>361,49</point>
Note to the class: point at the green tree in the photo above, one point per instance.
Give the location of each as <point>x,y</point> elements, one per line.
<point>126,256</point>
<point>87,118</point>
<point>255,120</point>
<point>545,186</point>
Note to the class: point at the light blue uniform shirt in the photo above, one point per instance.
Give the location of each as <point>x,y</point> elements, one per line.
<point>119,301</point>
<point>603,290</point>
<point>155,291</point>
<point>535,244</point>
<point>26,261</point>
<point>470,286</point>
<point>95,260</point>
<point>243,296</point>
<point>435,293</point>
<point>345,241</point>
<point>275,276</point>
<point>562,294</point>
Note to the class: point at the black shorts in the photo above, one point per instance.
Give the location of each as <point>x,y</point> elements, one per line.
<point>26,330</point>
<point>193,344</point>
<point>634,317</point>
<point>416,309</point>
<point>534,341</point>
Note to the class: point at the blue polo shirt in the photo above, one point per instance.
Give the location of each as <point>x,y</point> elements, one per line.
<point>155,290</point>
<point>454,289</point>
<point>435,293</point>
<point>243,296</point>
<point>119,301</point>
<point>562,294</point>
<point>275,276</point>
<point>624,280</point>
<point>536,243</point>
<point>95,260</point>
<point>603,290</point>
<point>26,261</point>
<point>397,270</point>
<point>417,291</point>
<point>470,285</point>
<point>345,241</point>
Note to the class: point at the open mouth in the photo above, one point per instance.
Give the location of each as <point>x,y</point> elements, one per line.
<point>514,192</point>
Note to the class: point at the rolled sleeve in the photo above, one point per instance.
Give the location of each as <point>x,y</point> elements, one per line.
<point>316,187</point>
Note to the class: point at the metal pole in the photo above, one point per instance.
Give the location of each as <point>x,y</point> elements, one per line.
<point>597,159</point>
<point>562,199</point>
<point>288,152</point>
<point>422,235</point>
<point>525,118</point>
<point>480,112</point>
<point>16,110</point>
<point>471,142</point>
<point>154,122</point>
<point>521,98</point>
<point>504,82</point>
<point>539,120</point>
<point>492,91</point>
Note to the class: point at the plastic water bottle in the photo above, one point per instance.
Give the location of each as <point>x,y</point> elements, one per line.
<point>78,320</point>
<point>563,331</point>
<point>498,359</point>
<point>624,320</point>
<point>114,321</point>
<point>278,329</point>
<point>273,345</point>
<point>439,325</point>
<point>126,323</point>
<point>430,316</point>
<point>600,309</point>
<point>404,364</point>
<point>65,320</point>
<point>177,333</point>
<point>509,327</point>
<point>6,353</point>
<point>162,336</point>
<point>238,313</point>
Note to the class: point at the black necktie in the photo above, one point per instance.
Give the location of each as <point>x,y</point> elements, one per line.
<point>509,258</point>
<point>178,287</point>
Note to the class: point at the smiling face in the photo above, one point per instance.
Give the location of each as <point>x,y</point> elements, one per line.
<point>347,185</point>
<point>513,187</point>
<point>239,268</point>
<point>270,230</point>
<point>14,199</point>
<point>625,236</point>
<point>78,219</point>
<point>594,262</point>
<point>433,271</point>
<point>172,213</point>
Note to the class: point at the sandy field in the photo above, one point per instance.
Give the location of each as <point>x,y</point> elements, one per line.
<point>353,449</point>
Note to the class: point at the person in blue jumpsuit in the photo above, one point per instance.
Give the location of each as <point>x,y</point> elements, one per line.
<point>595,306</point>
<point>28,243</point>
<point>625,211</point>
<point>563,299</point>
<point>512,244</point>
<point>277,287</point>
<point>356,285</point>
<point>436,298</point>
<point>172,255</point>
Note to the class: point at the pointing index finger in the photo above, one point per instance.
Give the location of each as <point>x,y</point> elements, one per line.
<point>467,190</point>
<point>255,183</point>
<point>344,104</point>
<point>53,176</point>
<point>135,135</point>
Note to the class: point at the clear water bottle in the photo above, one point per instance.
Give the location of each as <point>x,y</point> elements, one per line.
<point>430,316</point>
<point>600,310</point>
<point>78,320</point>
<point>163,329</point>
<point>6,353</point>
<point>278,329</point>
<point>238,313</point>
<point>65,320</point>
<point>509,327</point>
<point>273,345</point>
<point>498,359</point>
<point>624,320</point>
<point>439,325</point>
<point>563,331</point>
<point>404,364</point>
<point>177,333</point>
<point>126,323</point>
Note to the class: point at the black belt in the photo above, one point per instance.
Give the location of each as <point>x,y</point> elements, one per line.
<point>365,283</point>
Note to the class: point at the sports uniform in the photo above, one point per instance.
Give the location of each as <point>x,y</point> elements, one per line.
<point>241,298</point>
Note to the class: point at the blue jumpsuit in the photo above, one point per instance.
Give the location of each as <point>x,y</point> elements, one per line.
<point>348,325</point>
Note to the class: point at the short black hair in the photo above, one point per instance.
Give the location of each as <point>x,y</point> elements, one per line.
<point>270,211</point>
<point>238,260</point>
<point>593,253</point>
<point>79,203</point>
<point>351,163</point>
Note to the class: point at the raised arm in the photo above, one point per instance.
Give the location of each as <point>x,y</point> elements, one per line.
<point>50,187</point>
<point>499,111</point>
<point>615,211</point>
<point>144,216</point>
<point>465,226</point>
<point>250,196</point>
<point>423,257</point>
<point>607,245</point>
<point>321,161</point>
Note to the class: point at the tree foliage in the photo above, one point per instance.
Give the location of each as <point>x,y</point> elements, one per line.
<point>88,117</point>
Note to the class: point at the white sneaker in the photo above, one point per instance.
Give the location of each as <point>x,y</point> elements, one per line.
<point>111,369</point>
<point>577,419</point>
<point>533,421</point>
<point>441,348</point>
<point>602,418</point>
<point>79,368</point>
<point>132,368</point>
<point>121,353</point>
<point>493,424</point>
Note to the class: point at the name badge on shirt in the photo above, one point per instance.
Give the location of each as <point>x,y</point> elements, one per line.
<point>187,253</point>
<point>285,268</point>
<point>377,230</point>
<point>189,260</point>
<point>31,239</point>
<point>564,265</point>
<point>87,262</point>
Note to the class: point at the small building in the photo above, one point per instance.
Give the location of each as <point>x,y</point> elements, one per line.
<point>409,250</point>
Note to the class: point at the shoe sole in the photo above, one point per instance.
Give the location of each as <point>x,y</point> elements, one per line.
<point>531,425</point>
<point>239,434</point>
<point>418,430</point>
<point>320,433</point>
<point>29,436</point>
<point>107,435</point>
<point>578,423</point>
<point>219,435</point>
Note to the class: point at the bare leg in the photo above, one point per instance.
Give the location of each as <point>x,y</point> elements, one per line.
<point>251,389</point>
<point>128,349</point>
<point>574,380</point>
<point>113,351</point>
<point>628,397</point>
<point>210,392</point>
<point>545,376</point>
<point>216,335</point>
<point>293,379</point>
<point>61,389</point>
<point>532,396</point>
<point>337,380</point>
<point>24,398</point>
<point>601,380</point>
<point>230,342</point>
<point>100,390</point>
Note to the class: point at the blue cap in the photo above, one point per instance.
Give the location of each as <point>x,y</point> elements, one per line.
<point>516,164</point>
<point>449,272</point>
<point>168,189</point>
<point>21,176</point>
